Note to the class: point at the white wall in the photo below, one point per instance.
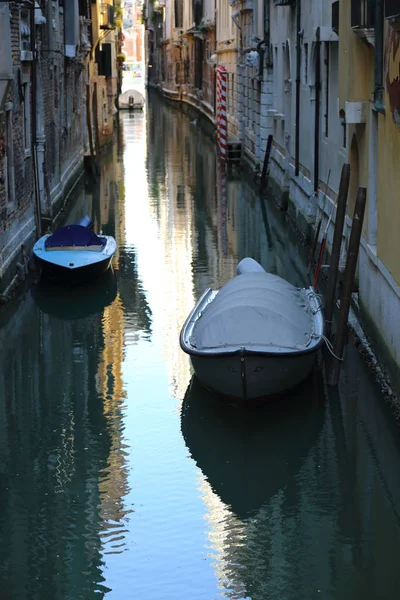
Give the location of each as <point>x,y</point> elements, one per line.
<point>314,14</point>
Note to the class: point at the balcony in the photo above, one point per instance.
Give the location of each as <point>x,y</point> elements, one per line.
<point>363,19</point>
<point>392,13</point>
<point>106,16</point>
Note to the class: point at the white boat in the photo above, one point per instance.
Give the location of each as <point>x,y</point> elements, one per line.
<point>74,253</point>
<point>255,337</point>
<point>131,100</point>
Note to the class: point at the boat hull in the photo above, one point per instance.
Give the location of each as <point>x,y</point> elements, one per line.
<point>76,276</point>
<point>253,376</point>
<point>73,263</point>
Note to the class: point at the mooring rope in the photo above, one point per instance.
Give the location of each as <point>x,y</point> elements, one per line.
<point>328,344</point>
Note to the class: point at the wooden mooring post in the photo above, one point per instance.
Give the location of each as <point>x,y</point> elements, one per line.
<point>347,288</point>
<point>330,293</point>
<point>264,180</point>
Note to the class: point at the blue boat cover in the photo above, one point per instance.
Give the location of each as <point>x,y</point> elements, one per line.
<point>74,235</point>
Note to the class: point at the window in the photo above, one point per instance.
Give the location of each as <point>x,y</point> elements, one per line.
<point>208,49</point>
<point>342,118</point>
<point>327,91</point>
<point>69,101</point>
<point>9,158</point>
<point>179,13</point>
<point>25,31</point>
<point>105,112</point>
<point>25,36</point>
<point>305,69</point>
<point>26,107</point>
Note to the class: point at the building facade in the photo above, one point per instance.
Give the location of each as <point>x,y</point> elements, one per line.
<point>58,84</point>
<point>369,100</point>
<point>180,51</point>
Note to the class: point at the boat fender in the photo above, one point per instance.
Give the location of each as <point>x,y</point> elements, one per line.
<point>249,265</point>
<point>85,222</point>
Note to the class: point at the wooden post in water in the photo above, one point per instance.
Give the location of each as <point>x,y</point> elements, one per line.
<point>336,245</point>
<point>265,165</point>
<point>348,280</point>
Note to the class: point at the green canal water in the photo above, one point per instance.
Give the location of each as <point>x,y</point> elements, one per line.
<point>120,477</point>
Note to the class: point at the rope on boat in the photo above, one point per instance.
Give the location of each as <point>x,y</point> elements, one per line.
<point>329,346</point>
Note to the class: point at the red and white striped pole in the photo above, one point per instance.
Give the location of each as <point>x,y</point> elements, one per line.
<point>221,110</point>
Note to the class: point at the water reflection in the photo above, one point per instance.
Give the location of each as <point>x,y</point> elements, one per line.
<point>64,477</point>
<point>54,442</point>
<point>77,303</point>
<point>248,456</point>
<point>290,502</point>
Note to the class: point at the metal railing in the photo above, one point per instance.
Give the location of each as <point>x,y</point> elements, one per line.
<point>363,14</point>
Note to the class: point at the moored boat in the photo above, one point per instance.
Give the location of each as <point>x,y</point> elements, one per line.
<point>256,337</point>
<point>74,253</point>
<point>131,100</point>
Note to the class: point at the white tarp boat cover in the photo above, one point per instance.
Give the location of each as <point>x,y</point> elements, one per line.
<point>138,98</point>
<point>256,309</point>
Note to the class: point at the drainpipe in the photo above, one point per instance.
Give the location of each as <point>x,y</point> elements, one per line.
<point>298,72</point>
<point>317,108</point>
<point>378,63</point>
<point>38,210</point>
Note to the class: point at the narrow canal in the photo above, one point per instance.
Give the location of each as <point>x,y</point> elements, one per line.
<point>118,478</point>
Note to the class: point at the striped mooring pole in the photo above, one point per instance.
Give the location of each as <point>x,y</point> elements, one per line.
<point>221,111</point>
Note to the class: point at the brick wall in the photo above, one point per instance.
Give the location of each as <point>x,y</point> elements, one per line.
<point>58,106</point>
<point>17,225</point>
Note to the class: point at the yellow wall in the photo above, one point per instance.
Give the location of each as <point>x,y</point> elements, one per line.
<point>356,84</point>
<point>389,159</point>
